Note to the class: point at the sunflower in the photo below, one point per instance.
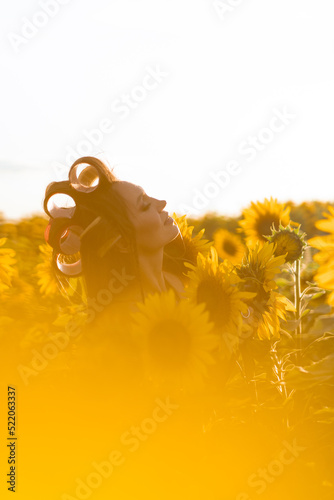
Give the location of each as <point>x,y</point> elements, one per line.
<point>48,280</point>
<point>36,334</point>
<point>215,285</point>
<point>17,303</point>
<point>192,244</point>
<point>258,219</point>
<point>325,257</point>
<point>7,261</point>
<point>78,312</point>
<point>258,270</point>
<point>176,340</point>
<point>229,246</point>
<point>289,242</point>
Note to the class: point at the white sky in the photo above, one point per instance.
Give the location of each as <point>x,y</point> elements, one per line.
<point>226,75</point>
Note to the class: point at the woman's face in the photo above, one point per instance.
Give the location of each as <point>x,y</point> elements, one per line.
<point>153,226</point>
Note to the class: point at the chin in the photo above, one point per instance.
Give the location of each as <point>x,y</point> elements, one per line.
<point>173,231</point>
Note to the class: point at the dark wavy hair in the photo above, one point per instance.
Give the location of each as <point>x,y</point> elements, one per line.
<point>109,240</point>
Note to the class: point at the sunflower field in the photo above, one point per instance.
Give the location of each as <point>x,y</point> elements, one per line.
<point>224,394</point>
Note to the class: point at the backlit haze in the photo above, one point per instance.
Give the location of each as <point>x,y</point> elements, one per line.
<point>204,108</point>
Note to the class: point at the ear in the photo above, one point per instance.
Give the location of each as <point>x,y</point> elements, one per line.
<point>123,246</point>
<point>108,245</point>
<point>117,242</point>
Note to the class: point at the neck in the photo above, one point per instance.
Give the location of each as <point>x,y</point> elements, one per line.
<point>151,275</point>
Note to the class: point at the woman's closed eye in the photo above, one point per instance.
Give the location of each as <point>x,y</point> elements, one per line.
<point>146,207</point>
<point>146,203</point>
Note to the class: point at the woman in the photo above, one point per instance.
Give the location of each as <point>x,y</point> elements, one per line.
<point>120,240</point>
<point>110,227</point>
<point>123,242</point>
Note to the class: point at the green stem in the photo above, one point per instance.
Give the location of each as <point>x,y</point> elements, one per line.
<point>249,370</point>
<point>298,307</point>
<point>279,374</point>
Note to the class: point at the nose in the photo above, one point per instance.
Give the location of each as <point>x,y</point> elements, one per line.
<point>161,204</point>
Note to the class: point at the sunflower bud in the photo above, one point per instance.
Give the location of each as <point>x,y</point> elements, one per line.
<point>288,241</point>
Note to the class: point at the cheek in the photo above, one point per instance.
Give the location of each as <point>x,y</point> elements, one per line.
<point>148,226</point>
<point>149,222</point>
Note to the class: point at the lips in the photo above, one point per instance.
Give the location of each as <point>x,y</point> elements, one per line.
<point>169,221</point>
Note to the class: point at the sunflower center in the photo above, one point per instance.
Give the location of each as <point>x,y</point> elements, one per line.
<point>217,301</point>
<point>265,222</point>
<point>288,242</point>
<point>229,247</point>
<point>169,344</point>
